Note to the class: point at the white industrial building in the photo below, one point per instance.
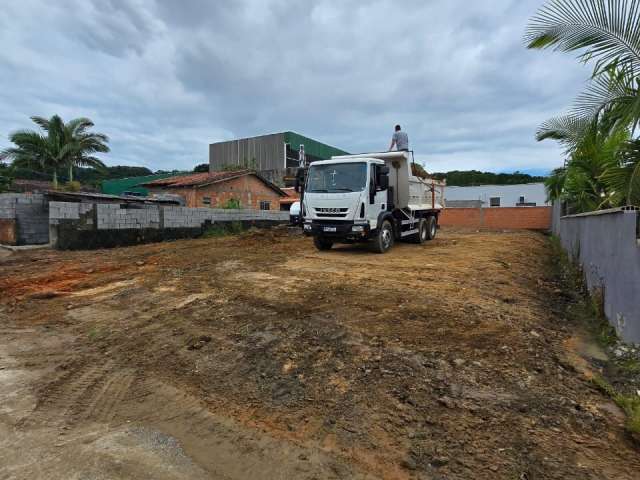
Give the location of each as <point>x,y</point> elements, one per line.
<point>522,195</point>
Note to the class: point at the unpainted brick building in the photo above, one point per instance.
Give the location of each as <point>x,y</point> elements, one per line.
<point>244,188</point>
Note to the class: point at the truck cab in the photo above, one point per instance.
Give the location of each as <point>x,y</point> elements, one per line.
<point>362,198</point>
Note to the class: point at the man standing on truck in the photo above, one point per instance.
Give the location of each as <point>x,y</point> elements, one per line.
<point>400,139</point>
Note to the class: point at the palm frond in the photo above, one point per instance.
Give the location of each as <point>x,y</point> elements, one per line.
<point>93,162</point>
<point>607,31</point>
<point>42,122</point>
<point>568,130</point>
<point>615,93</point>
<point>554,184</point>
<point>624,179</point>
<point>78,126</point>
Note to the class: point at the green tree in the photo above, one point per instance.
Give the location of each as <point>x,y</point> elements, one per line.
<point>76,132</point>
<point>468,178</point>
<point>7,174</point>
<point>598,132</point>
<point>592,148</point>
<point>554,184</point>
<point>623,178</point>
<point>62,146</point>
<point>201,168</point>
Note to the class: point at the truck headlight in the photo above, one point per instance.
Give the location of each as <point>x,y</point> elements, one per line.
<point>357,228</point>
<point>307,226</point>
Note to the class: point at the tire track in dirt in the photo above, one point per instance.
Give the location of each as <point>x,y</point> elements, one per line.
<point>93,394</point>
<point>103,406</point>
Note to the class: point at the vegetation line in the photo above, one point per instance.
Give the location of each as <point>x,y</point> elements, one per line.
<point>586,308</point>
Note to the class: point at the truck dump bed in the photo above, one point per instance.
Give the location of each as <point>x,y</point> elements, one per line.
<point>410,192</point>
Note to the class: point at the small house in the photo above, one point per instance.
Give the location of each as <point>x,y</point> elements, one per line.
<point>239,189</point>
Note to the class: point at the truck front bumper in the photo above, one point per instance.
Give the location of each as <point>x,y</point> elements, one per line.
<point>346,229</point>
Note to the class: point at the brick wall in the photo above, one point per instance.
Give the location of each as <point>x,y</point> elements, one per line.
<point>533,218</point>
<point>248,189</point>
<point>8,231</point>
<point>8,228</point>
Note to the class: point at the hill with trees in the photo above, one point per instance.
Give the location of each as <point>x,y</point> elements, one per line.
<point>468,178</point>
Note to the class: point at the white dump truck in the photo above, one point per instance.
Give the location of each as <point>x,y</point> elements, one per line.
<point>372,197</point>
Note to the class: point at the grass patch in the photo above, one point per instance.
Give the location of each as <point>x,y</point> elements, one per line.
<point>223,229</point>
<point>96,334</point>
<point>629,366</point>
<point>630,404</point>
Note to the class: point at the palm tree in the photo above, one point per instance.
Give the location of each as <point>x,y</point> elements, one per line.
<point>592,148</point>
<point>64,145</point>
<point>598,130</point>
<point>555,183</point>
<point>76,132</point>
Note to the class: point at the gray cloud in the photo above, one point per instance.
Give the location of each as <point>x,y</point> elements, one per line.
<point>163,78</point>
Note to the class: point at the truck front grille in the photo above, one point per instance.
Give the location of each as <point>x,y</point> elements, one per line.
<point>331,212</point>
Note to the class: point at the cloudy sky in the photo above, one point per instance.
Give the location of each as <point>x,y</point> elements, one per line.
<point>164,78</point>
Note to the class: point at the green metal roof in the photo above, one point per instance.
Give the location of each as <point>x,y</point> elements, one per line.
<point>311,146</point>
<point>120,185</point>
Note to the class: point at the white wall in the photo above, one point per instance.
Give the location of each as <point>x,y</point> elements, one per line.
<point>509,194</point>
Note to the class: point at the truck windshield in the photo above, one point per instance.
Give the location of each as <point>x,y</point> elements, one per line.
<point>337,177</point>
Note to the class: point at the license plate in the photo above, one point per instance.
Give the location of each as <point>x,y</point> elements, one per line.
<point>329,229</point>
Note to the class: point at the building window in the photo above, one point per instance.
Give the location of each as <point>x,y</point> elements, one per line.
<point>494,202</point>
<point>521,199</point>
<point>206,200</point>
<point>265,205</point>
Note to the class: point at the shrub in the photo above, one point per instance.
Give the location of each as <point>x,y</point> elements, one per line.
<point>74,186</point>
<point>223,229</point>
<point>232,203</point>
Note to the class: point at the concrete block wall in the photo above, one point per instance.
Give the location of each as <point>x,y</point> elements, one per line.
<point>185,217</point>
<point>114,217</point>
<point>8,226</point>
<point>29,215</point>
<point>84,225</point>
<point>64,211</point>
<point>7,206</point>
<point>606,244</point>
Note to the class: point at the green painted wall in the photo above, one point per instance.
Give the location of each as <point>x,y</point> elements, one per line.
<point>121,185</point>
<point>312,147</point>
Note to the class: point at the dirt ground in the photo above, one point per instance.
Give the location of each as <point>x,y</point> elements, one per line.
<point>257,357</point>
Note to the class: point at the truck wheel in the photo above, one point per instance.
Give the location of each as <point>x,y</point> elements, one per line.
<point>384,238</point>
<point>423,232</point>
<point>432,227</point>
<point>322,243</point>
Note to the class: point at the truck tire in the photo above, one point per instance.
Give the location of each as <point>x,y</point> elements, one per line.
<point>383,240</point>
<point>423,232</point>
<point>322,243</point>
<point>432,227</point>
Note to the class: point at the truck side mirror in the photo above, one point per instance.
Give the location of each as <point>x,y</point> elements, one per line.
<point>383,182</point>
<point>299,179</point>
